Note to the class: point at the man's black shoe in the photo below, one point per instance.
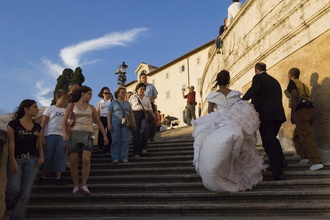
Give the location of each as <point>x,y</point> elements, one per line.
<point>280,178</point>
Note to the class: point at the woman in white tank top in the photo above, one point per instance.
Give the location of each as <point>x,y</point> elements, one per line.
<point>102,111</point>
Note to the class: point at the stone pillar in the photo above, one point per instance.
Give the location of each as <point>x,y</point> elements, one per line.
<point>3,173</point>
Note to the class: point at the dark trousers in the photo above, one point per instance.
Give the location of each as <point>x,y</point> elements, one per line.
<point>100,136</point>
<point>140,133</point>
<point>152,126</point>
<point>190,112</point>
<point>268,132</point>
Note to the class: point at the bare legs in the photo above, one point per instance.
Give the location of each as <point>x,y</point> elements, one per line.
<point>86,159</point>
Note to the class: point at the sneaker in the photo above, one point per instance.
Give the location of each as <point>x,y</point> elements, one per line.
<point>144,151</point>
<point>59,181</point>
<point>75,190</point>
<point>315,167</point>
<point>125,161</point>
<point>304,161</point>
<point>84,190</point>
<point>137,156</point>
<point>115,161</point>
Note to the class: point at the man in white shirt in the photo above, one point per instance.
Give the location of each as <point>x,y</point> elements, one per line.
<point>233,10</point>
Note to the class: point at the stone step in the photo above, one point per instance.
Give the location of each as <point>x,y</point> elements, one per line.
<point>128,169</point>
<point>164,183</point>
<point>170,157</point>
<point>242,209</point>
<point>193,186</point>
<point>318,195</point>
<point>144,178</point>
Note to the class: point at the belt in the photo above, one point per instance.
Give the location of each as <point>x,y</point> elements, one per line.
<point>25,156</point>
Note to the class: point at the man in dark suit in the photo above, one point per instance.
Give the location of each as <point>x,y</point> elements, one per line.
<point>266,95</point>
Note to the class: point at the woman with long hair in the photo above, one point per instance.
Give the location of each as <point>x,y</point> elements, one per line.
<point>25,157</point>
<point>225,154</point>
<point>102,111</point>
<point>81,136</point>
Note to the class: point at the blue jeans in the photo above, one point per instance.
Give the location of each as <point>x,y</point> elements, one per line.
<point>19,186</point>
<point>54,153</point>
<point>120,139</point>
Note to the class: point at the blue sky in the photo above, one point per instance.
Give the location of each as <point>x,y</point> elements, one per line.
<point>39,38</point>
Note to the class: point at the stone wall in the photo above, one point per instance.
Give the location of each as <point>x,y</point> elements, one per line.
<point>283,34</point>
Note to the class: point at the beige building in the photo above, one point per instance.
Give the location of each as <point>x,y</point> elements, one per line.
<point>169,80</point>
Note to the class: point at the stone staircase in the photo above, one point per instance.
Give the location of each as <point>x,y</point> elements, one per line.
<point>164,185</point>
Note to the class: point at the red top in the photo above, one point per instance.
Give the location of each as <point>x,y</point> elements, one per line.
<point>190,96</point>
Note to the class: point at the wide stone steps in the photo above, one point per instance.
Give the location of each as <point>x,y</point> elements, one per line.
<point>163,184</point>
<point>238,209</point>
<point>320,195</point>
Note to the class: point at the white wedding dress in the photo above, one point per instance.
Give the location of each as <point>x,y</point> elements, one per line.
<point>225,154</point>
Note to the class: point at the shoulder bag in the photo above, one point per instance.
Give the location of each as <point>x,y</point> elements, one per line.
<point>150,117</point>
<point>128,120</point>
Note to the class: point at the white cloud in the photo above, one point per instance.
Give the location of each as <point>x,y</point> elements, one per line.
<point>45,93</point>
<point>71,55</point>
<point>53,69</point>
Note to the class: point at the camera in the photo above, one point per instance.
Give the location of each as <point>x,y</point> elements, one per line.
<point>123,121</point>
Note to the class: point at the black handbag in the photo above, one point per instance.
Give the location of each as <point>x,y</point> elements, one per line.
<point>149,116</point>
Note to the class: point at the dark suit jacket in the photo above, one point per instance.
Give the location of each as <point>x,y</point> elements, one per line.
<point>266,95</point>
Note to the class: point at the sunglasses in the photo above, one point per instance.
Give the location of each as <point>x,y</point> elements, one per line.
<point>106,93</point>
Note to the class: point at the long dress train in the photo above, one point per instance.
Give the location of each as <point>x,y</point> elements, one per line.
<point>225,154</point>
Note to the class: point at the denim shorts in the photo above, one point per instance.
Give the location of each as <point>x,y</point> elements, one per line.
<point>54,153</point>
<point>80,141</point>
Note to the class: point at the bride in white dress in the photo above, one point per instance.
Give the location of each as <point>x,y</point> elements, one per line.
<point>225,154</point>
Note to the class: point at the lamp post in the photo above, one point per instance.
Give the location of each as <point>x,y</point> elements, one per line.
<point>121,72</point>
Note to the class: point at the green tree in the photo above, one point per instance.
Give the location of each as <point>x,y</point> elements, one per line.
<point>77,76</point>
<point>67,77</point>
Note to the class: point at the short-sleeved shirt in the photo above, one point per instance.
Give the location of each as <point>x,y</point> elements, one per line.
<point>191,97</point>
<point>25,140</point>
<point>55,115</point>
<point>291,86</point>
<point>151,91</point>
<point>136,105</point>
<point>119,109</point>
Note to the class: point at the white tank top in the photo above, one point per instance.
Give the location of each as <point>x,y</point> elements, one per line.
<point>83,119</point>
<point>104,107</point>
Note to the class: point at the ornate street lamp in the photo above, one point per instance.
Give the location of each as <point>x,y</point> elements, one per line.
<point>121,72</point>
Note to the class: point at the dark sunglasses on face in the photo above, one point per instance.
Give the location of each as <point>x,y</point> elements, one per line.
<point>106,93</point>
